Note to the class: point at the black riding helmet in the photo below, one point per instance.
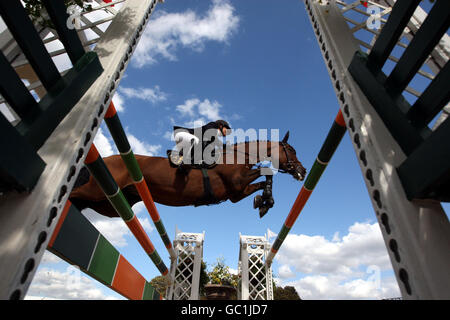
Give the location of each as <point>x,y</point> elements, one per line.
<point>223,123</point>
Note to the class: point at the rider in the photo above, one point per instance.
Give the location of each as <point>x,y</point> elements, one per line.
<point>187,138</point>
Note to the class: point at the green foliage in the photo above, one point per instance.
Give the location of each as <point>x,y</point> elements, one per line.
<point>286,293</point>
<point>38,13</point>
<point>221,274</point>
<point>204,278</point>
<point>160,284</point>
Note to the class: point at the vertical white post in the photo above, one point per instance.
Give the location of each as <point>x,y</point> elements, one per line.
<point>244,269</point>
<point>256,277</point>
<point>269,280</point>
<point>185,269</point>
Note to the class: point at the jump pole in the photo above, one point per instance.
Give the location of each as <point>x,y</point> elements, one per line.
<point>78,242</point>
<point>330,145</point>
<point>116,129</point>
<point>106,182</point>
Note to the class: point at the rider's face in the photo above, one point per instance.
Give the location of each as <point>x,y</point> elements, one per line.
<point>225,131</point>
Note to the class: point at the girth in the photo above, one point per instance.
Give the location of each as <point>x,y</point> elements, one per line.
<point>208,193</point>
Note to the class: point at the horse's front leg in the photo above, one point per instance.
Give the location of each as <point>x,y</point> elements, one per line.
<point>266,201</point>
<point>249,189</point>
<point>267,193</point>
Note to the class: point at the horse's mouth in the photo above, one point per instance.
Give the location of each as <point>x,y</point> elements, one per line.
<point>298,176</point>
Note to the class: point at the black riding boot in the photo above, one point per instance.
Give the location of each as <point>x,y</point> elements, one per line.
<point>267,193</point>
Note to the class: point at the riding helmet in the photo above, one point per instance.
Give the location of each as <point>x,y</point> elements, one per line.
<point>223,123</point>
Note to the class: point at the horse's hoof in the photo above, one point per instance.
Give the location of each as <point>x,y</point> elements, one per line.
<point>262,211</point>
<point>267,194</point>
<point>257,202</point>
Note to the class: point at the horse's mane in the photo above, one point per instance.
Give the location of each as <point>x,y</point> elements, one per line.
<point>248,142</point>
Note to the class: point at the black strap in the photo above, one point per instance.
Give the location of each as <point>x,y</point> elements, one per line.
<point>209,194</point>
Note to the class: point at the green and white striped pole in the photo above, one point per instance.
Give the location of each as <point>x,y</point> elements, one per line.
<point>332,141</point>
<point>106,182</point>
<point>116,129</point>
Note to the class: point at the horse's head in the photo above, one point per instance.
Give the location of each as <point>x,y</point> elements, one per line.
<point>288,161</point>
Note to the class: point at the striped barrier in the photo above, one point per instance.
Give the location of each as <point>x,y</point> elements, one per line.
<point>106,182</point>
<point>78,242</point>
<point>332,141</point>
<point>116,129</point>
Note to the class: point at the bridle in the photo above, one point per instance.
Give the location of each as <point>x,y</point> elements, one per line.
<point>290,165</point>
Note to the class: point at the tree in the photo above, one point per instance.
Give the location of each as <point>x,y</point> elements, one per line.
<point>204,278</point>
<point>286,293</point>
<point>221,274</point>
<point>160,284</point>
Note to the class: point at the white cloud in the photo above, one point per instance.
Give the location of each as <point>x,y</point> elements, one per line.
<point>142,147</point>
<point>49,258</point>
<point>321,287</point>
<point>316,254</point>
<point>113,229</point>
<point>198,122</point>
<point>168,135</point>
<point>336,237</point>
<point>152,95</point>
<point>349,267</point>
<point>169,31</point>
<point>210,110</point>
<point>285,272</point>
<point>147,225</point>
<point>105,145</point>
<point>70,284</point>
<point>199,112</point>
<point>187,109</point>
<point>233,271</point>
<point>118,102</point>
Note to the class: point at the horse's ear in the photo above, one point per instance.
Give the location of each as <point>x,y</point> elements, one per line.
<point>286,137</point>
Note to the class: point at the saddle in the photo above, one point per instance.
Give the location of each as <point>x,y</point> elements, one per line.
<point>176,160</point>
<point>208,194</point>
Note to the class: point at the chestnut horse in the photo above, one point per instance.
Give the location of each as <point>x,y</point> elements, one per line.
<point>230,180</point>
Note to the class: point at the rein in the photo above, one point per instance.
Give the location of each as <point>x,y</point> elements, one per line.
<point>289,164</point>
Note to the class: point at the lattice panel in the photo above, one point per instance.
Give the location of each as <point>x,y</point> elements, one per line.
<point>257,275</point>
<point>256,278</point>
<point>185,270</point>
<point>183,274</point>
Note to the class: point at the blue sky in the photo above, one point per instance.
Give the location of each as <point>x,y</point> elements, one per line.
<point>257,65</point>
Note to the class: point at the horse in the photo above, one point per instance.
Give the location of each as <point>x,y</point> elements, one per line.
<point>231,179</point>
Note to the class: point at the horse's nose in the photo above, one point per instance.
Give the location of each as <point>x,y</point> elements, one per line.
<point>301,172</point>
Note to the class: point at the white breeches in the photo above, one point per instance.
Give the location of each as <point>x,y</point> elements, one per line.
<point>185,141</point>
